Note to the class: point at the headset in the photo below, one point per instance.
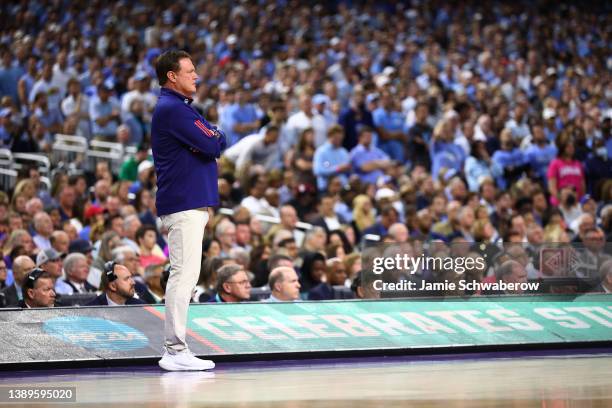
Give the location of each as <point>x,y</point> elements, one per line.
<point>109,271</point>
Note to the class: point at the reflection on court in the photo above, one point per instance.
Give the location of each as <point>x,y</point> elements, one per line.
<point>517,382</point>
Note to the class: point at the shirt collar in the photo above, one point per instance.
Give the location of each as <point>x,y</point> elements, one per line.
<point>110,302</point>
<point>167,91</point>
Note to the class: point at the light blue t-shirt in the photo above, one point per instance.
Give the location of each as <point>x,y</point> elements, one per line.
<point>326,159</point>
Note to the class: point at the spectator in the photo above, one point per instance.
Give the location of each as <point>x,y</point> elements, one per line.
<point>388,217</point>
<point>38,290</point>
<point>117,286</point>
<point>509,162</point>
<point>264,151</point>
<point>389,124</point>
<point>285,285</point>
<point>477,166</point>
<point>565,171</point>
<point>354,117</point>
<point>76,105</point>
<point>233,284</point>
<point>540,153</point>
<point>300,159</point>
<point>331,159</point>
<point>312,272</point>
<point>419,136</point>
<point>242,117</point>
<point>605,272</point>
<point>131,224</point>
<point>44,228</point>
<point>288,221</point>
<point>126,256</point>
<point>150,253</point>
<point>152,277</point>
<point>335,273</point>
<point>50,261</point>
<point>368,162</point>
<point>329,220</point>
<point>13,294</point>
<point>75,266</point>
<point>225,232</point>
<point>104,112</point>
<point>142,93</point>
<point>59,241</point>
<point>243,236</point>
<point>510,271</point>
<point>255,202</point>
<point>129,168</point>
<point>301,120</point>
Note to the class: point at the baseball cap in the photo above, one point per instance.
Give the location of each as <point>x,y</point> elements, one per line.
<point>108,85</point>
<point>80,245</point>
<point>144,165</point>
<point>371,97</point>
<point>47,255</point>
<point>548,113</point>
<point>384,193</point>
<point>319,98</point>
<point>93,210</point>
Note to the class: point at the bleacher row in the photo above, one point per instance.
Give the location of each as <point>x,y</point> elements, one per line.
<point>551,286</point>
<point>257,295</point>
<point>74,151</point>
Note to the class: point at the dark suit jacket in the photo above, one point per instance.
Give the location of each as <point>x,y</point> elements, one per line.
<point>101,301</point>
<point>8,297</point>
<point>320,222</point>
<point>323,291</point>
<point>144,294</point>
<point>88,286</point>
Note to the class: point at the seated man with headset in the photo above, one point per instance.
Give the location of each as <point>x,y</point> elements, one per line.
<point>117,286</point>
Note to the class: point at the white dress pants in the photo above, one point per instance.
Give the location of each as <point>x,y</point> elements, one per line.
<point>185,234</point>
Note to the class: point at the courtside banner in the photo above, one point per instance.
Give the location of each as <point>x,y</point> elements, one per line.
<point>242,331</point>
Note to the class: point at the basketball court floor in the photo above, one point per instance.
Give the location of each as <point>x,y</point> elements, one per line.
<point>497,380</point>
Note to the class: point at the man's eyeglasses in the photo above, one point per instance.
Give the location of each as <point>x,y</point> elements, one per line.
<point>245,282</point>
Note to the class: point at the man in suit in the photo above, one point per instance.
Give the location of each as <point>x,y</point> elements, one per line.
<point>127,257</point>
<point>77,269</point>
<point>510,271</point>
<point>13,294</point>
<point>284,284</point>
<point>233,285</point>
<point>118,287</point>
<point>38,290</point>
<point>329,220</point>
<point>335,272</point>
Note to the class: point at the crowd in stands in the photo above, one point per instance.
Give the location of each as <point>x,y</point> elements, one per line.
<point>348,123</point>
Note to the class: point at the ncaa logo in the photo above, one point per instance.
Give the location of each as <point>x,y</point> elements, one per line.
<point>96,333</point>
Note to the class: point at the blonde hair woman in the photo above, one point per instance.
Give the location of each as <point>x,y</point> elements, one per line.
<point>553,233</point>
<point>363,212</point>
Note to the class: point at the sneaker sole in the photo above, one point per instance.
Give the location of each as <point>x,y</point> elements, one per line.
<point>172,367</point>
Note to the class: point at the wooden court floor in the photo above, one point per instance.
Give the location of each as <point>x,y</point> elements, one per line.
<point>545,382</point>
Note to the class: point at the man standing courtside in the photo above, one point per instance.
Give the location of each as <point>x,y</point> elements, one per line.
<point>185,148</point>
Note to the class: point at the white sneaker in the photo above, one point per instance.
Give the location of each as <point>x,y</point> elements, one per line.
<point>184,361</point>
